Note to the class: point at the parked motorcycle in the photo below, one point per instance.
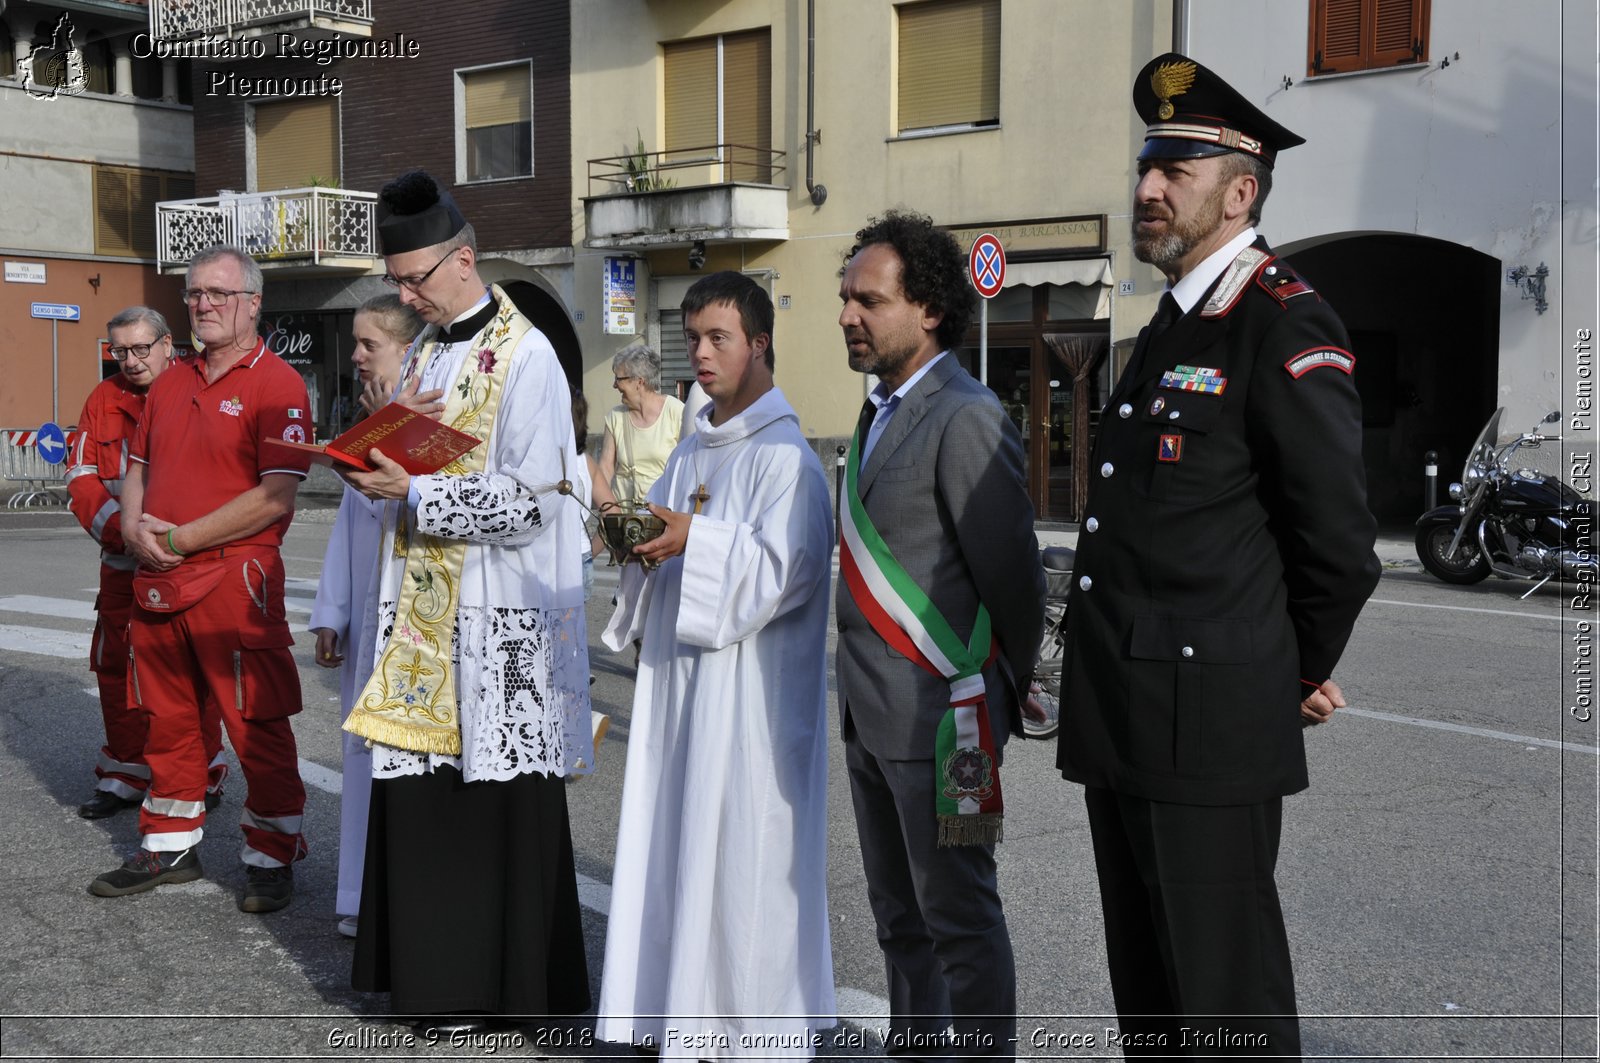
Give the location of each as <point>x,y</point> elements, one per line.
<point>1058,562</point>
<point>1515,523</point>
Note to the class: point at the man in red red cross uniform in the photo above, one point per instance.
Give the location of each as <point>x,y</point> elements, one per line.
<point>141,343</point>
<point>205,506</point>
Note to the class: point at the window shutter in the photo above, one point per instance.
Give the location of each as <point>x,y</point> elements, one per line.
<point>949,63</point>
<point>1397,30</point>
<point>113,229</point>
<point>498,97</point>
<point>1351,35</point>
<point>144,192</point>
<point>1336,36</point>
<point>747,105</point>
<point>295,142</point>
<point>125,208</point>
<point>690,74</point>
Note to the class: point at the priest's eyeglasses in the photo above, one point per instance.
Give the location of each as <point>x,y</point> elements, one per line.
<point>416,283</point>
<point>140,351</point>
<point>214,296</point>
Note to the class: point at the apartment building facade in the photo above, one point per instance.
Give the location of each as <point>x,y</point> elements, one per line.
<point>92,135</point>
<point>759,135</point>
<point>301,117</point>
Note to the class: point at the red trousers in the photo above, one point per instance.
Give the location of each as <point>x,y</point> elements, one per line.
<point>122,769</point>
<point>226,657</point>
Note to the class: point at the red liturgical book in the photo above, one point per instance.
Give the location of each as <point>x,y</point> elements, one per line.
<point>416,443</point>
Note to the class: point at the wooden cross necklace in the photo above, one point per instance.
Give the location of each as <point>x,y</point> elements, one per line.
<point>701,495</point>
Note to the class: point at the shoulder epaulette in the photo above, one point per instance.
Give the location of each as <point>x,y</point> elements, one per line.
<point>1235,279</point>
<point>1283,283</point>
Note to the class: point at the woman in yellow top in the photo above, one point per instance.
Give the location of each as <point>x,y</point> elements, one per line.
<point>643,430</point>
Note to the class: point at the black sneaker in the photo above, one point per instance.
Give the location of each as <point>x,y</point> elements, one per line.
<point>266,889</point>
<point>146,871</point>
<point>104,803</point>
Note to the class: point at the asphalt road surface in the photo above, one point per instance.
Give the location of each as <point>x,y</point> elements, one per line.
<point>1438,878</point>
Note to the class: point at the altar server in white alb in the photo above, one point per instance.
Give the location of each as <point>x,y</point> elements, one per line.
<point>478,702</point>
<point>717,943</point>
<point>344,617</point>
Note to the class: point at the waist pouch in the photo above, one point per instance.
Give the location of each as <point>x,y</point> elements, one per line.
<point>176,590</point>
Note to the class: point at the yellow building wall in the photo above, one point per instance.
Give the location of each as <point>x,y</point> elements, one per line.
<point>1064,146</point>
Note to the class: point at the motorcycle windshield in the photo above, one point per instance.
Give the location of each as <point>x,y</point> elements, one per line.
<point>1486,438</point>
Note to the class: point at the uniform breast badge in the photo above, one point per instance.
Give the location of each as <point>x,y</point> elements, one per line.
<point>1193,378</point>
<point>1170,448</point>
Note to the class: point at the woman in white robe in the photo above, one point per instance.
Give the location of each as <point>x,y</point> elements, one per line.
<point>345,616</point>
<point>717,944</point>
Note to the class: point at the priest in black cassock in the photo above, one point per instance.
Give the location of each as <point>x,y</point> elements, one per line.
<point>478,704</point>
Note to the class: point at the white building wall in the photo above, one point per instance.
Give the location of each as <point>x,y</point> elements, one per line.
<point>48,149</point>
<point>1470,152</point>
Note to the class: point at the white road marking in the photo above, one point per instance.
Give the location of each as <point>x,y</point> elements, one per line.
<point>324,779</point>
<point>594,894</point>
<point>1481,732</point>
<point>1470,609</point>
<point>65,608</point>
<point>44,641</point>
<point>855,1006</point>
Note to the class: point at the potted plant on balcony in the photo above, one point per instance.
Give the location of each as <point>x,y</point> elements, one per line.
<point>642,176</point>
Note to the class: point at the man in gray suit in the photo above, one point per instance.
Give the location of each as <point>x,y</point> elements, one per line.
<point>940,608</point>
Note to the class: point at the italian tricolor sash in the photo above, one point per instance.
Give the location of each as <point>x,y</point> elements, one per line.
<point>967,772</point>
<point>409,702</point>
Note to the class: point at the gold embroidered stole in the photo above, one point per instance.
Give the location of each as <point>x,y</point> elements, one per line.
<point>409,702</point>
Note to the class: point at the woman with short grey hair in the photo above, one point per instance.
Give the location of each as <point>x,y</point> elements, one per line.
<point>641,432</point>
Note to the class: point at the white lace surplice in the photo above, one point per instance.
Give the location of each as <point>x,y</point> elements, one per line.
<point>520,654</point>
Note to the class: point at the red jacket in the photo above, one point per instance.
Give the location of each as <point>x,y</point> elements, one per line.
<point>100,462</point>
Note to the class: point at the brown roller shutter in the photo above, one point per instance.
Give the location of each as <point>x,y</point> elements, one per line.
<point>498,97</point>
<point>949,63</point>
<point>747,105</point>
<point>296,141</point>
<point>690,74</point>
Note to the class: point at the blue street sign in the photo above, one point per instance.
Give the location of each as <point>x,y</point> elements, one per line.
<point>52,443</point>
<point>56,311</point>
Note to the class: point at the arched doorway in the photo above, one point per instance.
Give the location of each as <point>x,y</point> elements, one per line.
<point>1424,323</point>
<point>550,318</point>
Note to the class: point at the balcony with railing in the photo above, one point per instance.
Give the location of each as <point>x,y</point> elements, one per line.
<point>297,231</point>
<point>187,20</point>
<point>717,193</point>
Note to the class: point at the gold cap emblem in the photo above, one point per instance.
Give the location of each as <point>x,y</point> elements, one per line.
<point>1169,80</point>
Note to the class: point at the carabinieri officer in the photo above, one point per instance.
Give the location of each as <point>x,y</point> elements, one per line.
<point>1225,554</point>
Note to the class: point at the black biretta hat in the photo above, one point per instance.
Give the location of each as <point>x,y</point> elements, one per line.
<point>1190,112</point>
<point>414,212</point>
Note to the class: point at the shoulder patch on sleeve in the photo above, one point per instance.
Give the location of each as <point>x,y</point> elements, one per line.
<point>1283,283</point>
<point>1307,360</point>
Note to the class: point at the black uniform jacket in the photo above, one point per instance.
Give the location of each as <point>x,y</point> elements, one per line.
<point>1225,552</point>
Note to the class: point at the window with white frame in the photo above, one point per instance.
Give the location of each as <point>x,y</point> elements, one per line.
<point>494,108</point>
<point>718,102</point>
<point>949,65</point>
